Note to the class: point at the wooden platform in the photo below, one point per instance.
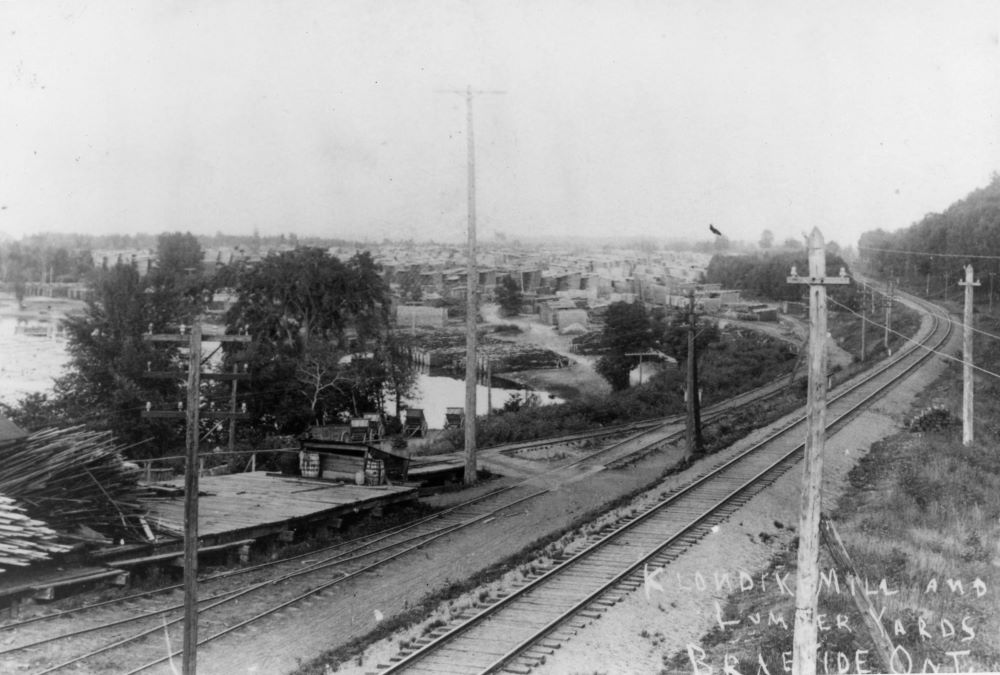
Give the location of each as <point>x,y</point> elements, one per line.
<point>254,504</point>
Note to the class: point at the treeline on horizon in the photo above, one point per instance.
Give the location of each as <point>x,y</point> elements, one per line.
<point>933,252</point>
<point>764,275</point>
<point>75,243</point>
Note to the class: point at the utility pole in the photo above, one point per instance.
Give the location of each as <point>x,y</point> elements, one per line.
<point>864,318</point>
<point>472,274</point>
<point>992,274</point>
<point>967,379</point>
<point>888,314</point>
<point>191,417</point>
<point>694,441</point>
<point>807,583</point>
<point>489,387</point>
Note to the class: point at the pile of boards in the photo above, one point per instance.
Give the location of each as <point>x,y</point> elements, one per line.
<point>24,540</point>
<point>67,480</point>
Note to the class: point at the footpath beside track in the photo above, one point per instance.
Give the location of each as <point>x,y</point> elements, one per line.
<point>315,579</point>
<point>517,632</point>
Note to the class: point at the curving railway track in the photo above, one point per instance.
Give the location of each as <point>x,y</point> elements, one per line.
<point>517,632</point>
<point>237,599</point>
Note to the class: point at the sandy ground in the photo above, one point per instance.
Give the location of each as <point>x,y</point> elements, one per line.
<point>567,382</point>
<point>796,331</point>
<point>636,635</point>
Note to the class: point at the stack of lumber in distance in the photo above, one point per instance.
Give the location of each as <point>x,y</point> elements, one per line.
<point>72,477</point>
<point>24,540</point>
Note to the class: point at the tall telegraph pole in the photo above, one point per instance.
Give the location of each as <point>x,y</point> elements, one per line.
<point>967,378</point>
<point>694,441</point>
<point>807,583</point>
<point>191,417</point>
<point>472,274</point>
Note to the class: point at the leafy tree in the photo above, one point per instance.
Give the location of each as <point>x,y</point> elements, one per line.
<point>509,296</point>
<point>320,372</point>
<point>179,255</point>
<point>627,328</point>
<point>766,239</point>
<point>766,276</point>
<point>307,312</point>
<point>400,373</point>
<point>105,386</point>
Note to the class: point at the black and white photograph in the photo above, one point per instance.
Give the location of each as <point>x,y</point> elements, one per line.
<point>534,337</point>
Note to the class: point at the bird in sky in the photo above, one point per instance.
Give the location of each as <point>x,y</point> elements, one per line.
<point>714,230</point>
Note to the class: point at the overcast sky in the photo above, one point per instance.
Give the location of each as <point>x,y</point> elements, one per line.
<point>619,117</point>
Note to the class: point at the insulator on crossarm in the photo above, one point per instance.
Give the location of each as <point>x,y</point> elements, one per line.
<point>180,405</point>
<point>243,408</point>
<point>149,406</point>
<point>795,272</point>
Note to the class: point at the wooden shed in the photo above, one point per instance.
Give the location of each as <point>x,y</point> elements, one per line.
<point>454,418</point>
<point>362,430</point>
<point>339,460</point>
<point>415,425</point>
<point>10,433</point>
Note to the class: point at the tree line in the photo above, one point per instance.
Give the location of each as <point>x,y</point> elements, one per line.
<point>321,345</point>
<point>932,252</point>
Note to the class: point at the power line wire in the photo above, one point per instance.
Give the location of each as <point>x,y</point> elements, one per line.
<point>928,253</point>
<point>922,346</point>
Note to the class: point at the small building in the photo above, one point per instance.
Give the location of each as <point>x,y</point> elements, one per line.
<point>345,461</point>
<point>414,423</point>
<point>548,310</point>
<point>454,418</point>
<point>10,433</point>
<point>411,316</point>
<point>571,317</point>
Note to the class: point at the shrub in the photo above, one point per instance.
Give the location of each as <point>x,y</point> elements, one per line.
<point>934,418</point>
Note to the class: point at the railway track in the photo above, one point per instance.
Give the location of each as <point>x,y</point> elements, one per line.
<point>517,632</point>
<point>300,578</point>
<point>309,573</point>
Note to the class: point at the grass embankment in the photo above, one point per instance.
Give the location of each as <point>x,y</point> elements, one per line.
<point>717,436</point>
<point>922,513</point>
<point>731,366</point>
<point>845,328</point>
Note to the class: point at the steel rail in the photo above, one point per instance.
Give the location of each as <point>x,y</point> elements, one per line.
<point>747,485</point>
<point>357,543</point>
<point>415,656</point>
<point>367,540</point>
<point>264,584</point>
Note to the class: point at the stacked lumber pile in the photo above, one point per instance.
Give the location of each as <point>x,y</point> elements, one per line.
<point>24,540</point>
<point>73,478</point>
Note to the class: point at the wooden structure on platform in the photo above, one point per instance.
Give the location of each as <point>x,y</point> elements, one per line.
<point>366,429</point>
<point>337,460</point>
<point>415,425</point>
<point>454,418</point>
<point>255,504</point>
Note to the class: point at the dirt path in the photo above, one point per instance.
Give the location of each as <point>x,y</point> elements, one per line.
<point>355,608</point>
<point>569,382</point>
<point>636,635</point>
<point>796,331</point>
